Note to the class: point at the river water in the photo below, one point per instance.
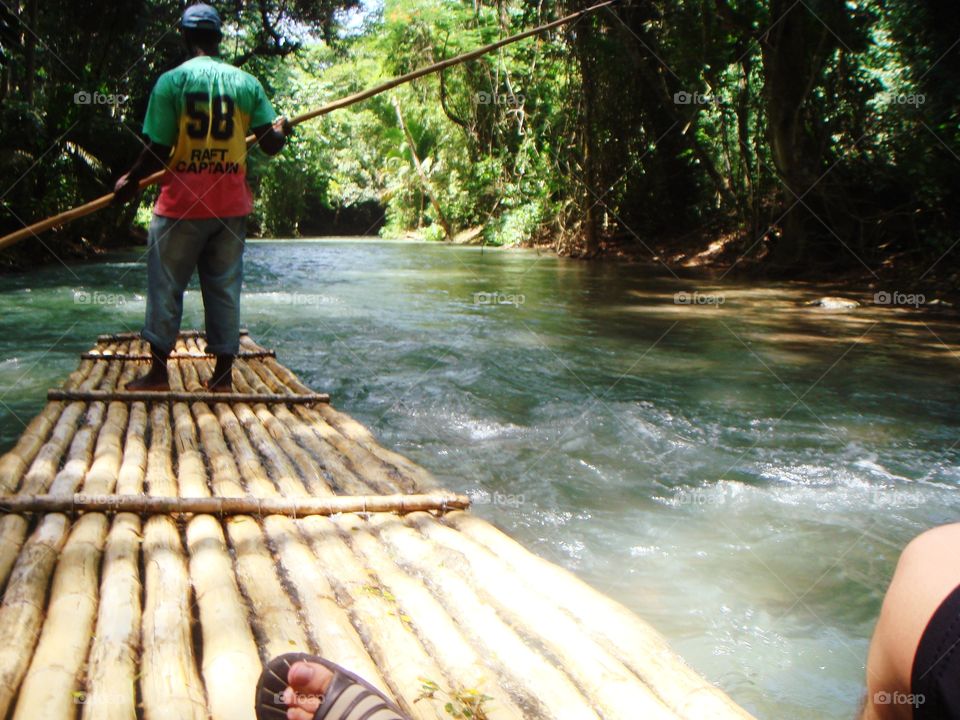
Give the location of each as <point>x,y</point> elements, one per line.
<point>740,469</point>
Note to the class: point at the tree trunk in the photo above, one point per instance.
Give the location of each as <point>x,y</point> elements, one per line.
<point>424,180</point>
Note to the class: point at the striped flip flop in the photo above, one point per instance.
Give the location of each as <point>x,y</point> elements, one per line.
<point>349,696</point>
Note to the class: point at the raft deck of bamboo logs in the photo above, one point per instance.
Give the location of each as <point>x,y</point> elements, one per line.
<point>165,607</point>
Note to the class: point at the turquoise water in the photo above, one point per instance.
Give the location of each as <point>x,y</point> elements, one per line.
<point>741,470</point>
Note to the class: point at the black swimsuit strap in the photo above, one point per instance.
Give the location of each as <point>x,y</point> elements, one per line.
<point>935,679</point>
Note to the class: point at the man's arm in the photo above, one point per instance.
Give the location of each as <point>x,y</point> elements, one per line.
<point>152,158</point>
<point>273,137</point>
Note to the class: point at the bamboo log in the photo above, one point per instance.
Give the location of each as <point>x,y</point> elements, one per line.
<point>229,643</point>
<point>231,664</point>
<point>172,396</point>
<point>44,467</point>
<point>13,531</point>
<point>101,478</point>
<point>51,682</point>
<point>610,686</point>
<point>556,692</point>
<point>130,480</point>
<point>275,618</point>
<point>383,476</point>
<point>397,651</point>
<point>21,613</point>
<point>641,647</point>
<point>279,468</point>
<point>15,462</point>
<point>169,681</point>
<point>436,629</point>
<point>317,440</point>
<point>418,478</point>
<point>110,692</point>
<point>307,471</point>
<point>364,463</point>
<point>327,621</point>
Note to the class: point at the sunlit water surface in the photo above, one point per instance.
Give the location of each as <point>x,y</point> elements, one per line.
<point>743,475</point>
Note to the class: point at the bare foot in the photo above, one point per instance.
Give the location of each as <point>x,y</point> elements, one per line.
<point>152,382</point>
<point>308,683</point>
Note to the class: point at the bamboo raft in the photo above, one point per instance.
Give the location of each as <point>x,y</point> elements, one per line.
<point>154,552</point>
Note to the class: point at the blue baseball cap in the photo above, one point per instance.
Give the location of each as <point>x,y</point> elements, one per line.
<point>203,17</point>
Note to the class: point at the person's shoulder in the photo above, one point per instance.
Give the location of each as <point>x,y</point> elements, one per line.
<point>174,77</point>
<point>248,78</point>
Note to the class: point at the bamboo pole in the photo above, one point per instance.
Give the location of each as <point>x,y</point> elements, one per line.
<point>227,506</point>
<point>641,647</point>
<point>609,685</point>
<point>24,601</point>
<point>559,698</point>
<point>137,357</point>
<point>439,633</point>
<point>110,691</point>
<point>173,396</point>
<point>135,336</point>
<point>50,684</point>
<point>397,651</point>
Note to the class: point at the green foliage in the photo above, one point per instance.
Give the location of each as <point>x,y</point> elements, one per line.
<point>647,120</point>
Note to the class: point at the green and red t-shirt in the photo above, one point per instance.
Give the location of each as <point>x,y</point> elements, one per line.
<point>204,109</point>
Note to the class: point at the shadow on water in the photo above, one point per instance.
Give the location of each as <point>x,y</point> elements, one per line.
<point>738,467</point>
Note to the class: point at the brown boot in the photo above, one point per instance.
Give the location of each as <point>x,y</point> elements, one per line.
<point>222,379</point>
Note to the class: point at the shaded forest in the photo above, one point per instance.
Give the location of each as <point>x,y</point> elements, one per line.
<point>804,137</point>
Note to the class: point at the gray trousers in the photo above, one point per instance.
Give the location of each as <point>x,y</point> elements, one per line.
<point>214,247</point>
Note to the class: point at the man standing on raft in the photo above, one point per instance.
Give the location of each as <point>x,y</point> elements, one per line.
<point>196,125</point>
